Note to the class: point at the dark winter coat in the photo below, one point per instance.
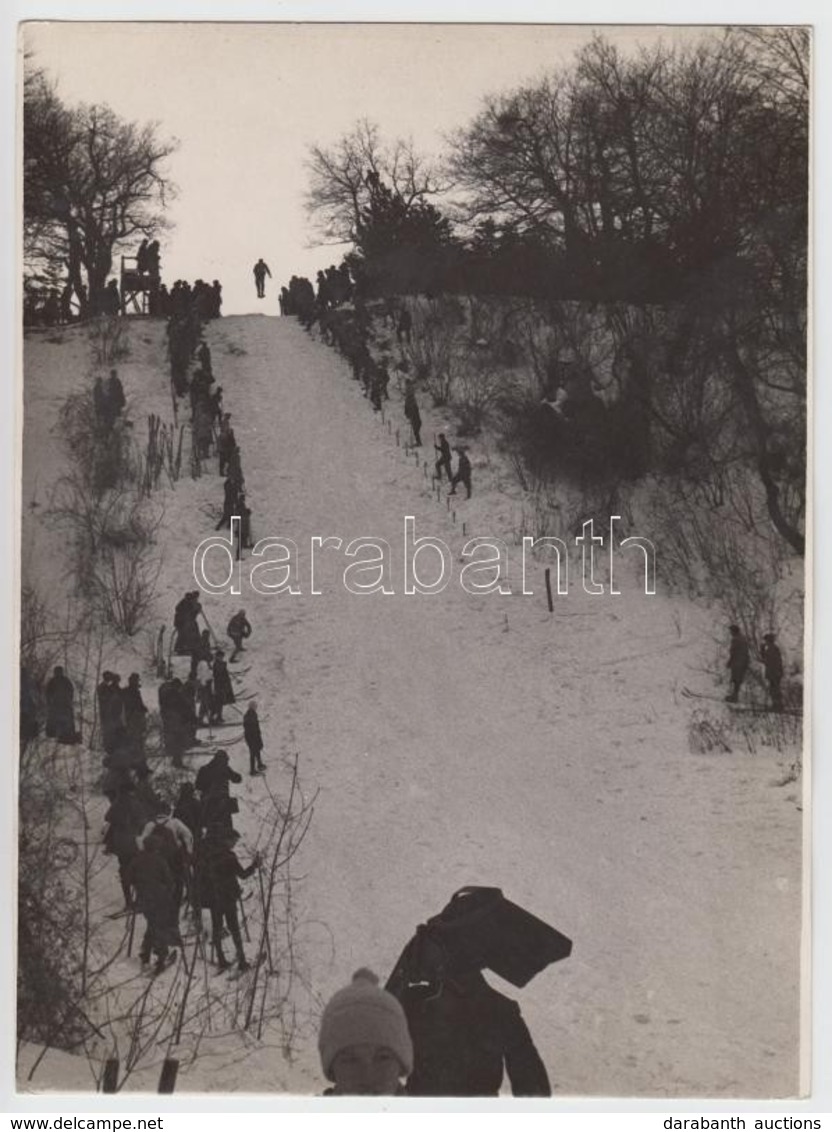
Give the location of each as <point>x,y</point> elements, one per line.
<point>216,774</point>
<point>463,468</point>
<point>772,658</point>
<point>411,410</point>
<point>126,820</point>
<point>223,690</point>
<point>738,656</point>
<point>218,873</point>
<point>251,730</point>
<point>151,876</point>
<point>238,628</point>
<point>110,713</point>
<point>465,1037</point>
<point>60,719</point>
<point>135,710</point>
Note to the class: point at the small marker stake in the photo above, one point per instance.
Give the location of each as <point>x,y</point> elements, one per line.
<point>453,515</point>
<point>548,576</point>
<point>463,528</point>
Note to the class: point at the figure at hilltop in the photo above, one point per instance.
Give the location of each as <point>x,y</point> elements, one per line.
<point>261,270</point>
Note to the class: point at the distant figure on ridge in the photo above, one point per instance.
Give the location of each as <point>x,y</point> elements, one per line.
<point>261,270</point>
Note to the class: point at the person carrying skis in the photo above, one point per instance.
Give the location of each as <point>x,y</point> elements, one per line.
<point>261,270</point>
<point>239,630</point>
<point>772,660</point>
<point>738,657</point>
<point>254,739</point>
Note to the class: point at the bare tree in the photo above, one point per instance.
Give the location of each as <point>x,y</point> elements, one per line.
<point>92,182</point>
<point>341,178</point>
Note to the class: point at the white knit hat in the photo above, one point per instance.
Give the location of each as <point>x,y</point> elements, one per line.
<point>364,1013</point>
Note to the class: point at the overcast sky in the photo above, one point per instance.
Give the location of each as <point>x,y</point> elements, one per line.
<point>247,100</point>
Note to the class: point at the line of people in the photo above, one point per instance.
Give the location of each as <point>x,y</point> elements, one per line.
<point>177,859</point>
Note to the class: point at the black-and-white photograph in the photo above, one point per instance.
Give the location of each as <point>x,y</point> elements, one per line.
<point>413,528</point>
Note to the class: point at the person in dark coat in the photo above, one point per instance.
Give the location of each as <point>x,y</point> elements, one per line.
<point>110,710</point>
<point>254,740</point>
<point>226,441</point>
<point>404,326</point>
<point>60,712</point>
<point>29,723</point>
<point>135,715</point>
<point>125,821</point>
<point>101,403</point>
<point>239,630</point>
<point>738,658</point>
<point>465,1037</point>
<point>203,651</point>
<point>175,727</point>
<point>216,773</point>
<point>231,503</point>
<point>175,842</point>
<point>444,461</point>
<point>772,660</point>
<point>115,394</point>
<point>411,411</point>
<point>223,689</point>
<point>141,258</point>
<point>462,474</point>
<point>185,623</point>
<point>218,876</point>
<point>261,270</point>
<point>203,356</point>
<point>151,876</point>
<point>188,810</point>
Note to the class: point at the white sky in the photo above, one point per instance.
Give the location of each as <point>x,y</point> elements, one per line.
<point>247,100</point>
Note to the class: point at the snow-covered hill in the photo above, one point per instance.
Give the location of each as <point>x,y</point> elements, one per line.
<point>459,739</point>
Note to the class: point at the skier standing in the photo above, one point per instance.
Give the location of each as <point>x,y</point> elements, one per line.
<point>218,875</point>
<point>254,739</point>
<point>261,270</point>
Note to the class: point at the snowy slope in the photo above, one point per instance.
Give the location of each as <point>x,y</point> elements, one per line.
<point>478,740</point>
